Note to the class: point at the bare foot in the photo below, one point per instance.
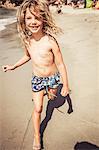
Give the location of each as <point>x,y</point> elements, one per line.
<point>36,143</point>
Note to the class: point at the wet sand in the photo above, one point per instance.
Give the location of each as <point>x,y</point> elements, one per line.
<point>80,48</point>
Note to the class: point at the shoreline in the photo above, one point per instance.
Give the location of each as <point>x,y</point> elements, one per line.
<point>5,22</point>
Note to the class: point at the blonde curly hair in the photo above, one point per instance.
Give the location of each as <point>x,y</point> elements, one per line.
<point>41,7</point>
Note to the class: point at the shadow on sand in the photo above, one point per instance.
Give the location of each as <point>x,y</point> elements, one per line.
<point>56,103</point>
<point>85,146</point>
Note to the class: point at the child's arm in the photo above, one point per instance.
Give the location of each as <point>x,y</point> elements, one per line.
<point>61,67</point>
<point>22,61</point>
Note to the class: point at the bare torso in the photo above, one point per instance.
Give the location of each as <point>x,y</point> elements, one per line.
<point>42,57</point>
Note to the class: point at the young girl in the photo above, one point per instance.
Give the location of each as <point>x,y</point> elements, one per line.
<point>35,26</point>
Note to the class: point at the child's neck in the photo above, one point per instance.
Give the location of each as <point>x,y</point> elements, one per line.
<point>38,36</point>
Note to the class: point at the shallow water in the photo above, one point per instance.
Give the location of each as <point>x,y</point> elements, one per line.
<point>5,13</point>
<point>6,17</point>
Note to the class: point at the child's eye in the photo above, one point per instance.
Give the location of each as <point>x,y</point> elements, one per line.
<point>28,17</point>
<point>37,17</point>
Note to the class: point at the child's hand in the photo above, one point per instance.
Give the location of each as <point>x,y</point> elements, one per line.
<point>64,91</point>
<point>7,67</point>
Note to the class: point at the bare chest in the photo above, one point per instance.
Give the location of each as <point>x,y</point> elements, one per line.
<point>41,53</point>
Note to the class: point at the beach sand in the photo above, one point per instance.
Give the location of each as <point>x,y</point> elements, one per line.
<point>80,48</point>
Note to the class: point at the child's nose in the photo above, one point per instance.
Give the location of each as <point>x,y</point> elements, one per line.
<point>33,20</point>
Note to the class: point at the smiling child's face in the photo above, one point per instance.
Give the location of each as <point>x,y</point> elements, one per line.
<point>33,21</point>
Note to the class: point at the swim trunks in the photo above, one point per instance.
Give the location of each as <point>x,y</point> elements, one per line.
<point>40,83</point>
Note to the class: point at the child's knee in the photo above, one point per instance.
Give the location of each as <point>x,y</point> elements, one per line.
<point>38,109</point>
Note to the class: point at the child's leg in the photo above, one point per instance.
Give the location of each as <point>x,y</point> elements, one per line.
<point>38,104</point>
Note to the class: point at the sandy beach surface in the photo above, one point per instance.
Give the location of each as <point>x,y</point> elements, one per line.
<point>62,131</point>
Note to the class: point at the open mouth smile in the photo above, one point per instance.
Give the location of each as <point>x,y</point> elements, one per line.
<point>34,27</point>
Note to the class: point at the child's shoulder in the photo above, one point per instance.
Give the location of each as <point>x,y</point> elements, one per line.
<point>53,42</point>
<point>52,39</point>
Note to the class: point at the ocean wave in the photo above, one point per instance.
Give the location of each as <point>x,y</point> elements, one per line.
<point>7,21</point>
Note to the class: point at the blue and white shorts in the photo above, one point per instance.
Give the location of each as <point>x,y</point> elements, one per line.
<point>41,83</point>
